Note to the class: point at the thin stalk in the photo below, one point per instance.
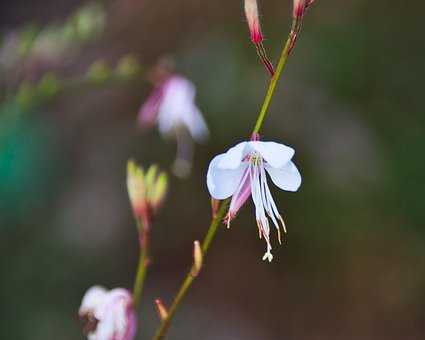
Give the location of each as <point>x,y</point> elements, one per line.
<point>280,67</point>
<point>143,263</point>
<point>212,231</point>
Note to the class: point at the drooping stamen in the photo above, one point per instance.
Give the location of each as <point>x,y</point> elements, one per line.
<point>262,221</point>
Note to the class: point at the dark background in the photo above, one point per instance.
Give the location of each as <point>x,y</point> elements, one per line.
<point>350,103</point>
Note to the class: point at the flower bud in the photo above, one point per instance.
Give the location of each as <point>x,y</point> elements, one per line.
<point>162,311</point>
<point>158,191</point>
<point>299,8</point>
<point>251,12</point>
<point>146,190</point>
<point>49,85</point>
<point>128,66</point>
<point>197,258</point>
<point>136,188</point>
<point>99,72</point>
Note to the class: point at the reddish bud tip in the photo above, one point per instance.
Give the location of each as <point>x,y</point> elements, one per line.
<point>299,8</point>
<point>251,12</point>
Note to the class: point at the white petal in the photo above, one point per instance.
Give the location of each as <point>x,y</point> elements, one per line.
<point>222,183</point>
<point>233,157</point>
<point>93,298</point>
<point>177,101</point>
<point>196,124</point>
<point>287,178</point>
<point>277,155</point>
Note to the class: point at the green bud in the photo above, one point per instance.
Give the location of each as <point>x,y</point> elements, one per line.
<point>26,40</point>
<point>26,94</point>
<point>136,188</point>
<point>49,85</point>
<point>89,21</point>
<point>128,66</point>
<point>159,190</point>
<point>99,71</point>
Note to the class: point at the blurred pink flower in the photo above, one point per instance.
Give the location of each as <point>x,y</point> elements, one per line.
<point>172,105</point>
<point>241,173</point>
<point>109,314</point>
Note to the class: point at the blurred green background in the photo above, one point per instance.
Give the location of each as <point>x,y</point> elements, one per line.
<point>350,103</point>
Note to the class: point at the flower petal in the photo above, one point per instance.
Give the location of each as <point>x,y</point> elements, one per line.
<point>276,154</point>
<point>233,157</point>
<point>149,110</point>
<point>93,298</point>
<point>195,122</point>
<point>223,182</point>
<point>287,177</point>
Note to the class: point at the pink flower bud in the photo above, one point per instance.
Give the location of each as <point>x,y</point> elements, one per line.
<point>251,12</point>
<point>299,8</point>
<point>109,314</point>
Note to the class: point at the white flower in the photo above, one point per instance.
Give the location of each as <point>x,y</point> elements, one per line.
<point>241,172</point>
<point>109,314</point>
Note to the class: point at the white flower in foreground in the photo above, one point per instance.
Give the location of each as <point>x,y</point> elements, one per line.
<point>109,314</point>
<point>241,172</point>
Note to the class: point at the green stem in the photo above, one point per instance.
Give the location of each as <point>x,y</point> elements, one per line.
<point>212,231</point>
<point>280,67</point>
<point>143,263</point>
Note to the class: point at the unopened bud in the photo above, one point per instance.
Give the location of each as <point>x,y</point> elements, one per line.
<point>162,311</point>
<point>146,190</point>
<point>136,188</point>
<point>26,94</point>
<point>49,85</point>
<point>99,71</point>
<point>158,191</point>
<point>251,12</point>
<point>299,8</point>
<point>128,66</point>
<point>197,258</point>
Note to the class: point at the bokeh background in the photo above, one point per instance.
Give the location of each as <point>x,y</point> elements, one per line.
<point>350,102</point>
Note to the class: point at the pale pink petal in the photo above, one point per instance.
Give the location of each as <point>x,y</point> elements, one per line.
<point>148,112</point>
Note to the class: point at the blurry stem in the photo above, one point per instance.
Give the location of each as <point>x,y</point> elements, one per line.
<point>143,229</point>
<point>212,230</point>
<point>289,45</point>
